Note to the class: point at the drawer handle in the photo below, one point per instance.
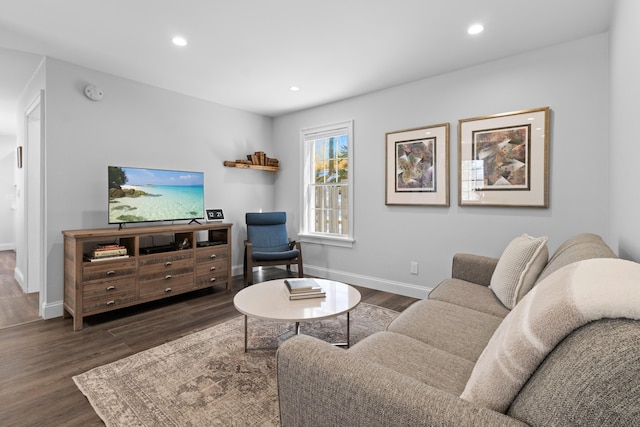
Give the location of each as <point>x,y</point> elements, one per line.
<point>167,277</point>
<point>166,291</point>
<point>167,264</point>
<point>111,272</point>
<point>112,302</point>
<point>213,279</point>
<point>212,256</point>
<point>213,268</point>
<point>110,288</point>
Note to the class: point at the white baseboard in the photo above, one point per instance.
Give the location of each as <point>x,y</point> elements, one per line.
<point>7,246</point>
<point>52,310</point>
<point>19,276</point>
<point>405,289</point>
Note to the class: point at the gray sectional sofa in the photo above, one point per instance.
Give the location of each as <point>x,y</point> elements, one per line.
<point>447,360</point>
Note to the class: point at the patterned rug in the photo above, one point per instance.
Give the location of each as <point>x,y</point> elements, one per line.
<point>206,378</point>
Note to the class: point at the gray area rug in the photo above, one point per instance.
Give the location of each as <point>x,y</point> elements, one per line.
<point>206,378</point>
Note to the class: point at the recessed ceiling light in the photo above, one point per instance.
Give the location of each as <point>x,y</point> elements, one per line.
<point>475,29</point>
<point>294,88</point>
<point>179,41</point>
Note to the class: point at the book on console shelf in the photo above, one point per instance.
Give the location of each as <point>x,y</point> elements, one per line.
<point>101,253</point>
<point>109,246</point>
<point>90,258</point>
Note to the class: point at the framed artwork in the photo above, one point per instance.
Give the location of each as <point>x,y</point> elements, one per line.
<point>417,166</point>
<point>504,159</point>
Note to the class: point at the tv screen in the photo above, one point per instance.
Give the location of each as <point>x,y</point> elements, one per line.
<point>142,195</point>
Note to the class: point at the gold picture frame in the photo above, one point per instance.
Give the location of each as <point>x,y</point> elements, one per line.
<point>504,159</point>
<point>417,166</point>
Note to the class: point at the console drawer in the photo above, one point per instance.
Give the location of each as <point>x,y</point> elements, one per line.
<point>170,284</point>
<point>211,267</point>
<point>108,270</point>
<point>165,266</point>
<point>218,277</point>
<point>165,258</point>
<point>214,253</point>
<point>108,294</point>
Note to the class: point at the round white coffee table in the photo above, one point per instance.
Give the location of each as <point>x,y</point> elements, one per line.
<point>269,300</point>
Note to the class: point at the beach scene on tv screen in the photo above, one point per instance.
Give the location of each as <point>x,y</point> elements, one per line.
<point>138,195</point>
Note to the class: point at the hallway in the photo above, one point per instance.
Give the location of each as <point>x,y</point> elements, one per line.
<point>16,307</point>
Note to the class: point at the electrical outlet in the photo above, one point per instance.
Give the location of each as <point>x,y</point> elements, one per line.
<point>413,267</point>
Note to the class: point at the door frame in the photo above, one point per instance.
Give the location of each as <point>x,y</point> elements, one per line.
<point>34,190</point>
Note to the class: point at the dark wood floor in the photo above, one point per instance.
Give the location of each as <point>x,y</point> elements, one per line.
<point>16,307</point>
<point>38,359</point>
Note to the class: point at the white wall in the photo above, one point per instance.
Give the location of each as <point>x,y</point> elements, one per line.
<point>7,191</point>
<point>572,79</point>
<point>625,149</point>
<point>139,125</point>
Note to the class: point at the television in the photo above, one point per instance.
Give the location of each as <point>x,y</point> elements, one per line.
<point>145,195</point>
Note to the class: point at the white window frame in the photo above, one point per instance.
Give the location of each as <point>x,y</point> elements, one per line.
<point>307,136</point>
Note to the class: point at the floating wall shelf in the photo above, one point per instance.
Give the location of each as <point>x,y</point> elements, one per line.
<point>231,164</point>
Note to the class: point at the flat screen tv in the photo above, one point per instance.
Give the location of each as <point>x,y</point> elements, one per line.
<point>144,195</point>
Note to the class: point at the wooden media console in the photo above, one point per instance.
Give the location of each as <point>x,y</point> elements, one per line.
<point>148,263</point>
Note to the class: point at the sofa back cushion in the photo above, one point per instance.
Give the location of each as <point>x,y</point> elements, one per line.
<point>570,298</point>
<point>590,378</point>
<point>578,248</point>
<point>518,268</point>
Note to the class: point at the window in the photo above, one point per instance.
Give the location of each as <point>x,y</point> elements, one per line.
<point>327,184</point>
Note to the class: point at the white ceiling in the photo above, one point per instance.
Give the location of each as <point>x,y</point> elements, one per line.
<point>248,53</point>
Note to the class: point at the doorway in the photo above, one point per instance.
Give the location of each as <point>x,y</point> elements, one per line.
<point>30,255</point>
<point>16,306</point>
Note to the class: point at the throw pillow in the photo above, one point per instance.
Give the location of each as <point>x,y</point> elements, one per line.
<point>518,268</point>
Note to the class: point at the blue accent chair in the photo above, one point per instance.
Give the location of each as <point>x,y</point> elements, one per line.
<point>268,244</point>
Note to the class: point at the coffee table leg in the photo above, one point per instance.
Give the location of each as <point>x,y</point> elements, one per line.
<point>245,333</point>
<point>348,329</point>
<point>298,332</point>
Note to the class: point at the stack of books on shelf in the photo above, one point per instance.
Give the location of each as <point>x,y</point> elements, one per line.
<point>106,252</point>
<point>260,158</point>
<point>303,289</point>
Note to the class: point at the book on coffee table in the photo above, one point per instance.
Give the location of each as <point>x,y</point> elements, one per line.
<point>303,285</point>
<point>297,289</point>
<point>306,295</point>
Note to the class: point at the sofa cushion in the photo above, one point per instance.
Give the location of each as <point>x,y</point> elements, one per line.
<point>421,361</point>
<point>470,295</point>
<point>564,388</point>
<point>568,299</point>
<point>518,268</point>
<point>457,330</point>
<point>578,248</point>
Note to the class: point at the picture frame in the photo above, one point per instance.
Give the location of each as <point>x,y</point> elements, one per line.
<point>504,159</point>
<point>215,215</point>
<point>417,166</point>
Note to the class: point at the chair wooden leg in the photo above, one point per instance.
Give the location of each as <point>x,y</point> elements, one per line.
<point>245,268</point>
<point>248,279</point>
